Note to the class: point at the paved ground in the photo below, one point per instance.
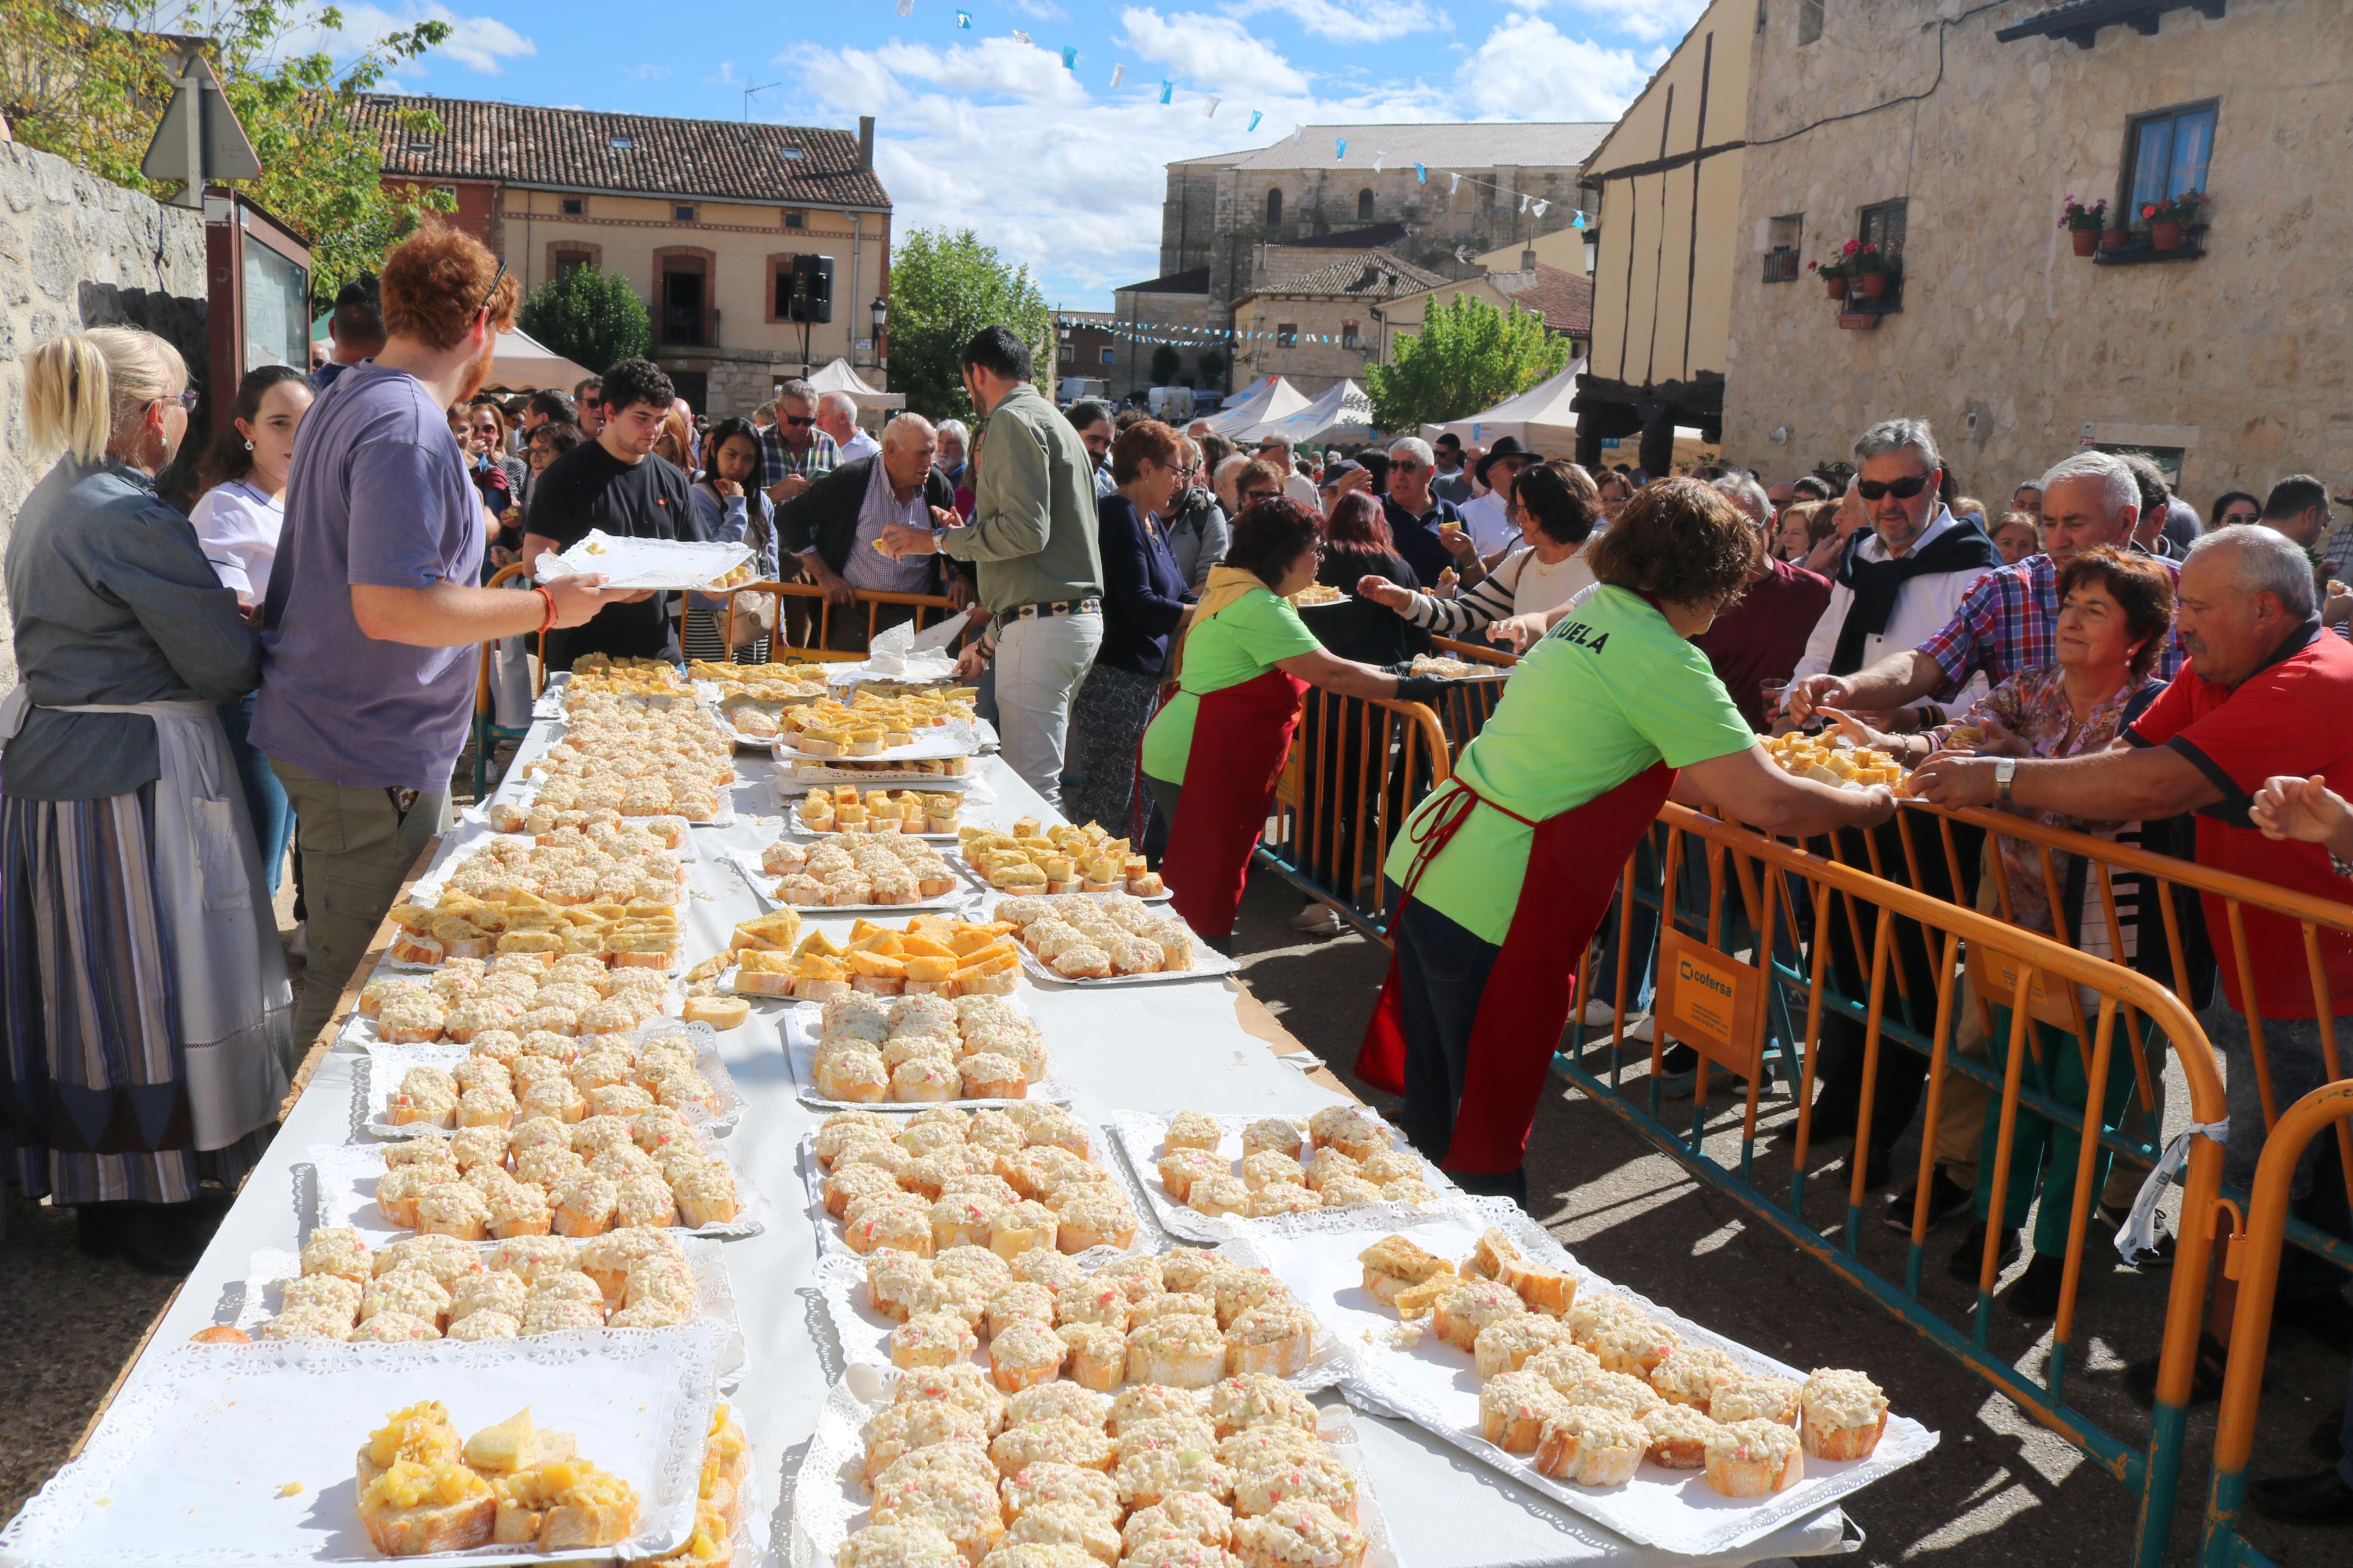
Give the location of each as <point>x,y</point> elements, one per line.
<point>1998,1488</point>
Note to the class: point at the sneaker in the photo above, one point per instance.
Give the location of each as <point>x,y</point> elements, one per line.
<point>2036,1294</point>
<point>1599,1015</point>
<point>1967,1256</point>
<point>1946,1197</point>
<point>1639,1032</point>
<point>1317,920</point>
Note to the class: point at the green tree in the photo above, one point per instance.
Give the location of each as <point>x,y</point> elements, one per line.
<point>1213,367</point>
<point>944,287</point>
<point>590,315</point>
<point>1166,362</point>
<point>1468,356</point>
<point>89,81</point>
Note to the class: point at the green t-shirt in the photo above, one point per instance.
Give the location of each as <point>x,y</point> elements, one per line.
<point>1608,692</point>
<point>1239,642</point>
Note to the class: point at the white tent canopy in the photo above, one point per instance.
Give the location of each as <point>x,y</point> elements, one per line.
<point>1272,399</point>
<point>1341,413</point>
<point>838,376</point>
<point>521,362</point>
<point>1541,420</point>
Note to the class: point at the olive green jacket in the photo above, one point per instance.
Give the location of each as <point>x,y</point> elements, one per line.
<point>1032,532</point>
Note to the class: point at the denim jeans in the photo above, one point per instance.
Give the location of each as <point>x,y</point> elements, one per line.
<point>265,798</point>
<point>1442,973</point>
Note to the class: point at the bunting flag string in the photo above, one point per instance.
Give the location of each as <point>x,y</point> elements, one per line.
<point>1255,117</point>
<point>964,20</point>
<point>1118,74</point>
<point>1070,59</point>
<point>906,7</point>
<point>1167,90</point>
<point>1020,37</point>
<point>1211,112</point>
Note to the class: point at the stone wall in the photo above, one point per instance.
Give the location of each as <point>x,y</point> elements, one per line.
<point>76,251</point>
<point>2018,350</point>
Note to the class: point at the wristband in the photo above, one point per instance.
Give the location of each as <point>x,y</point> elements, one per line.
<point>548,624</point>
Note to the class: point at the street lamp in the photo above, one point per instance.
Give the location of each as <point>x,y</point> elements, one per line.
<point>882,309</point>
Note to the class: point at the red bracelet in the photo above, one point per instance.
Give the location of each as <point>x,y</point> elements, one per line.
<point>548,624</point>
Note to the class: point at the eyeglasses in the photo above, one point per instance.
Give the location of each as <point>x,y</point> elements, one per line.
<point>492,292</point>
<point>1902,489</point>
<point>1249,496</point>
<point>2231,517</point>
<point>186,399</point>
<point>1404,465</point>
<point>797,421</point>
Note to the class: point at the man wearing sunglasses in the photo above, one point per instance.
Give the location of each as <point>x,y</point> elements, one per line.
<point>1900,581</point>
<point>794,449</point>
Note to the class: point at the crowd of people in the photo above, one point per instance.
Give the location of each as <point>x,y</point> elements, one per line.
<point>297,656</point>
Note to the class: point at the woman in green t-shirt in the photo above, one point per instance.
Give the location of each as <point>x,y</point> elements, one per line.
<point>1213,751</point>
<point>1500,876</point>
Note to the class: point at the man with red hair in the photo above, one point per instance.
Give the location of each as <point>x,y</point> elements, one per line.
<point>371,630</point>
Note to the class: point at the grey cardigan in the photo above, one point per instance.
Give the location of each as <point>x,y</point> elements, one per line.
<point>114,603</point>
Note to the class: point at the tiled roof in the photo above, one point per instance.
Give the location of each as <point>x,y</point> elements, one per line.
<point>1564,298</point>
<point>1458,145</point>
<point>1370,275</point>
<point>575,149</point>
<point>1192,280</point>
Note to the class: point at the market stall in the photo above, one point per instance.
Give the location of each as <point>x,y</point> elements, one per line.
<point>776,1331</point>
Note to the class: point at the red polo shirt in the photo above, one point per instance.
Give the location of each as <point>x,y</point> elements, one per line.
<point>2293,715</point>
<point>1762,637</point>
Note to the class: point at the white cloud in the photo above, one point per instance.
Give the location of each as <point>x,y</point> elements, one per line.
<point>1038,10</point>
<point>1076,193</point>
<point>1649,20</point>
<point>1001,67</point>
<point>650,72</point>
<point>480,43</point>
<point>1213,51</point>
<point>1529,70</point>
<point>1350,21</point>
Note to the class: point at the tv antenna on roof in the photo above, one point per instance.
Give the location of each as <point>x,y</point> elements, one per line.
<point>747,97</point>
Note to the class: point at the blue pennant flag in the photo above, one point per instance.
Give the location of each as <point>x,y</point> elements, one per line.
<point>1578,222</point>
<point>1167,90</point>
<point>1421,175</point>
<point>1069,57</point>
<point>964,19</point>
<point>1339,148</point>
<point>1255,117</point>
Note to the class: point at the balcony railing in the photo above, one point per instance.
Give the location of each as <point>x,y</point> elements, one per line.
<point>1781,267</point>
<point>684,327</point>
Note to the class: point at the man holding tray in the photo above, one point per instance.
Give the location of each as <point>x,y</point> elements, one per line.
<point>616,483</point>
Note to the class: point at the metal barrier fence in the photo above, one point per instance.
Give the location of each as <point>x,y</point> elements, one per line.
<point>1788,907</point>
<point>2254,1260</point>
<point>1356,766</point>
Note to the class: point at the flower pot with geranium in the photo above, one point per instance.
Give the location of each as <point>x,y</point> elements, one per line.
<point>1871,266</point>
<point>1834,275</point>
<point>2084,224</point>
<point>2167,219</point>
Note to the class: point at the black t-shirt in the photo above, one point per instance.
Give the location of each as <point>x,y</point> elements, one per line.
<point>1359,629</point>
<point>589,488</point>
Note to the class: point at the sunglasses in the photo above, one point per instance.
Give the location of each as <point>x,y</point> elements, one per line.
<point>492,292</point>
<point>1902,489</point>
<point>797,421</point>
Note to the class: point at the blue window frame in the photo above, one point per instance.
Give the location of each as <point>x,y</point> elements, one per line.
<point>2169,152</point>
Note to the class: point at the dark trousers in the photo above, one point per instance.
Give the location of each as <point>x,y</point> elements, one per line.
<point>1442,974</point>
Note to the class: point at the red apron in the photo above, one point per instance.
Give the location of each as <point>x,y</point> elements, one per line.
<point>1240,736</point>
<point>1573,864</point>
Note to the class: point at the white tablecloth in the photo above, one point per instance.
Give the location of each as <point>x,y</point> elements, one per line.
<point>1161,1048</point>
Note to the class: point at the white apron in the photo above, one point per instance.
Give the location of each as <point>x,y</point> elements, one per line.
<point>236,1007</point>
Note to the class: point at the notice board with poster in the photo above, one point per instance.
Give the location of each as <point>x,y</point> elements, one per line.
<point>1709,999</point>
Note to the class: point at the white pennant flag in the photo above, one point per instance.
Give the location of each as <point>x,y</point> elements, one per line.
<point>1376,162</point>
<point>1453,183</point>
<point>1020,37</point>
<point>1118,74</point>
<point>1524,204</point>
<point>1211,112</point>
<point>1297,132</point>
<point>1540,209</point>
<point>906,7</point>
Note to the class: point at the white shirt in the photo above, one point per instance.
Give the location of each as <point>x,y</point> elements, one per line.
<point>1923,605</point>
<point>1540,587</point>
<point>860,445</point>
<point>238,526</point>
<point>1301,489</point>
<point>1488,521</point>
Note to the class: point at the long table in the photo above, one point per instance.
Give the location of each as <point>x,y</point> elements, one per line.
<point>1205,1045</point>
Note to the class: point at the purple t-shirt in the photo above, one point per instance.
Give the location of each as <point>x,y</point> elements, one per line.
<point>378,494</point>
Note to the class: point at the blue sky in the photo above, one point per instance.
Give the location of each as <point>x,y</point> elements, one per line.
<point>1056,168</point>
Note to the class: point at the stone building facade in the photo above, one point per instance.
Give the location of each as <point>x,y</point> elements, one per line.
<point>2231,360</point>
<point>1176,308</point>
<point>1318,328</point>
<point>78,251</point>
<point>703,217</point>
